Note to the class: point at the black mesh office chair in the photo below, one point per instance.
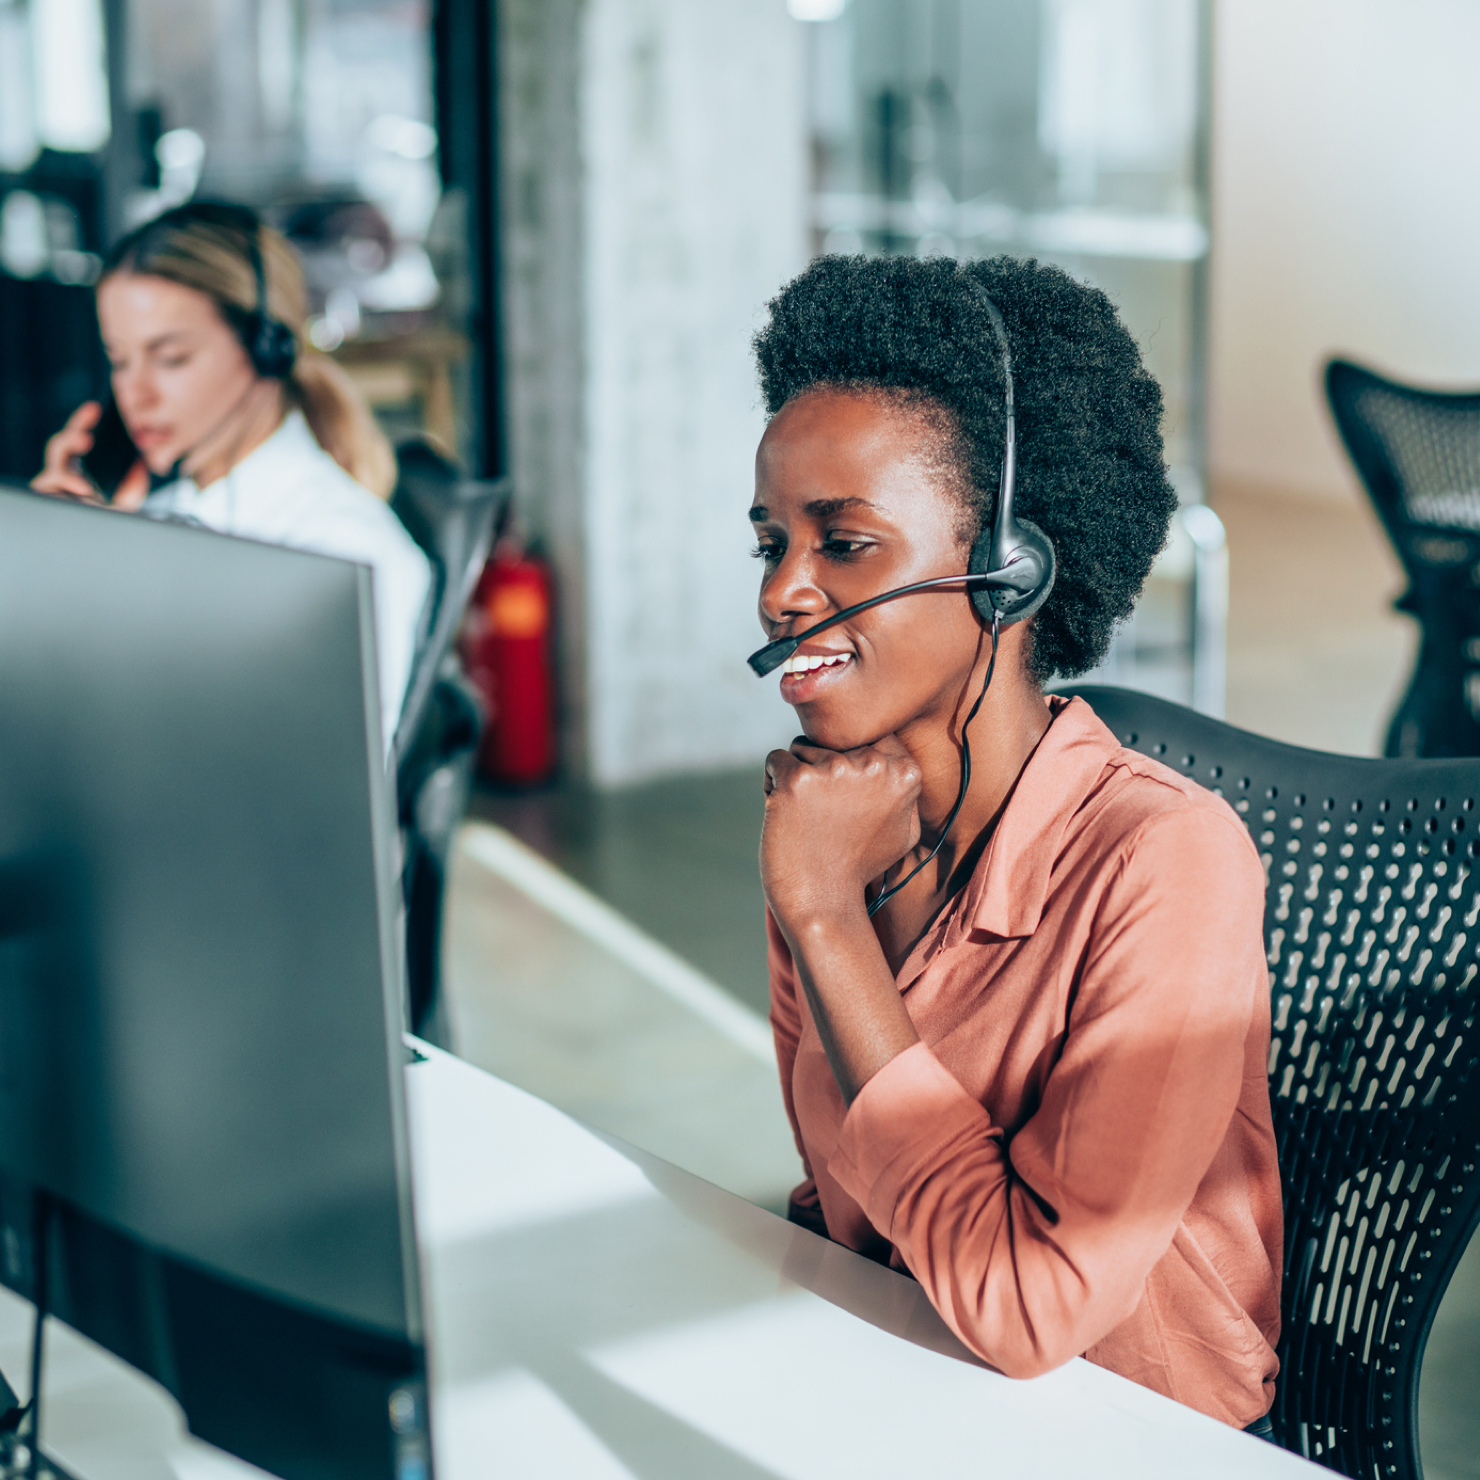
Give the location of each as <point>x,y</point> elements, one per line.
<point>453,519</point>
<point>1372,921</point>
<point>1418,453</point>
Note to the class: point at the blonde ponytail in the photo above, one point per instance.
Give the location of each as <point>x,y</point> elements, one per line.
<point>211,253</point>
<point>341,421</point>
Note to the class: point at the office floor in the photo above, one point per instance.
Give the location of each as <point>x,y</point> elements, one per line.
<point>564,999</point>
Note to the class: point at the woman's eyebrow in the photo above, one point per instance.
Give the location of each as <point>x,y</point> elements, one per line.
<point>819,508</point>
<point>825,508</point>
<point>160,340</point>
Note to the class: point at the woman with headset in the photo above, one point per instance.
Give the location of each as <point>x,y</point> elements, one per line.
<point>238,425</point>
<point>1018,981</point>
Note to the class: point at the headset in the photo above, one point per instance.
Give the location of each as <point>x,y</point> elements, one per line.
<point>271,345</point>
<point>1009,576</point>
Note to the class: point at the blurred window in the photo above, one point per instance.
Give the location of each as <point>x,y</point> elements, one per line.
<point>320,113</point>
<point>53,79</point>
<point>1068,130</point>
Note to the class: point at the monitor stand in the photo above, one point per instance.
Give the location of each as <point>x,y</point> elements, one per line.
<point>16,1457</point>
<point>20,1456</point>
<point>15,1462</point>
<point>12,1410</point>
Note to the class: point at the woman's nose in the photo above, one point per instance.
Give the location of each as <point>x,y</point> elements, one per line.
<point>791,590</point>
<point>133,390</point>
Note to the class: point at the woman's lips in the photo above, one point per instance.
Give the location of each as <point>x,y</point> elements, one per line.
<point>805,675</point>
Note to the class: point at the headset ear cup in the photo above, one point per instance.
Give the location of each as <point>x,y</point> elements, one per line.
<point>282,350</point>
<point>1030,552</point>
<point>271,347</point>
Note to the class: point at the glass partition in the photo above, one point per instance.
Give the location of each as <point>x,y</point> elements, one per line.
<point>320,113</point>
<point>1073,131</point>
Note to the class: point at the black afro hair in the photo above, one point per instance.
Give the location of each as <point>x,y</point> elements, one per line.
<point>1090,471</point>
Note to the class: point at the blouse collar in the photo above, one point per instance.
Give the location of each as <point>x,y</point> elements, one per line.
<point>1008,888</point>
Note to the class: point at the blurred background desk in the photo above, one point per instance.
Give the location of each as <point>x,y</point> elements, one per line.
<point>598,1313</point>
<point>411,372</point>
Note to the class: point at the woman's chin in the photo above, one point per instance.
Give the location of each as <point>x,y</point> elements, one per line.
<point>837,732</point>
<point>160,461</point>
<point>839,718</point>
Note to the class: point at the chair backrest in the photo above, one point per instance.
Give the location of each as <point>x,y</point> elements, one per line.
<point>453,519</point>
<point>1418,453</point>
<point>1372,924</point>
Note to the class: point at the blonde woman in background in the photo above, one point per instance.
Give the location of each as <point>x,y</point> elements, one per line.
<point>241,427</point>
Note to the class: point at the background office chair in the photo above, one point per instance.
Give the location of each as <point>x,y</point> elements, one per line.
<point>454,520</point>
<point>1372,922</point>
<point>1418,453</point>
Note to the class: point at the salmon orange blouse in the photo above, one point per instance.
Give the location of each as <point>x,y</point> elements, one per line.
<point>1077,1157</point>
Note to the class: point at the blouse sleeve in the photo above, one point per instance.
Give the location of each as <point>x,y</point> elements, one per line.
<point>804,1206</point>
<point>1036,1250</point>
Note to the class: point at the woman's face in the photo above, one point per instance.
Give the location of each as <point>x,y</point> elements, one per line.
<point>179,370</point>
<point>851,500</point>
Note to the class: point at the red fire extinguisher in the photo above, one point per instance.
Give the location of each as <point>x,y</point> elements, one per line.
<point>508,652</point>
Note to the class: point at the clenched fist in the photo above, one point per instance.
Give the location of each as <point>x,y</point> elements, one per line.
<point>834,821</point>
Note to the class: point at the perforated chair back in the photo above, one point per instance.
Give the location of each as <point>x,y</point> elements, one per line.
<point>1372,922</point>
<point>1418,455</point>
<point>453,519</point>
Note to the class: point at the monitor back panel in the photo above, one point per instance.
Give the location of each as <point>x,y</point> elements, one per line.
<point>199,987</point>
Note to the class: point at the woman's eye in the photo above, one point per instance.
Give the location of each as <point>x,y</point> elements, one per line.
<point>769,553</point>
<point>837,548</point>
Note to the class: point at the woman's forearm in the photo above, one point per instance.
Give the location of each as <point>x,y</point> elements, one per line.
<point>855,1003</point>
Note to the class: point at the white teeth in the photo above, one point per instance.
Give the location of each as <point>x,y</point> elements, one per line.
<point>806,662</point>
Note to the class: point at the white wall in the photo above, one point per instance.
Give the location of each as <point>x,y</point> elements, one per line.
<point>654,182</point>
<point>1346,218</point>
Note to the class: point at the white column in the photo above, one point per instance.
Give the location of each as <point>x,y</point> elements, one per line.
<point>693,141</point>
<point>688,213</point>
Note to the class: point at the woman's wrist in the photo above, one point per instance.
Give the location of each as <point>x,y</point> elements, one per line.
<point>835,927</point>
<point>822,924</point>
<point>850,989</point>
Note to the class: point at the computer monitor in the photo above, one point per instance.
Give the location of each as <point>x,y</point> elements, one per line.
<point>200,982</point>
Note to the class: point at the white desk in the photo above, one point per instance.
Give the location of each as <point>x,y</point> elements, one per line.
<point>598,1314</point>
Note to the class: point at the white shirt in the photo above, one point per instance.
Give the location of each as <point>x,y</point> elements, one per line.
<point>290,492</point>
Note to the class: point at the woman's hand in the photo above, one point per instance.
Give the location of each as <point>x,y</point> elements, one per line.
<point>61,475</point>
<point>834,821</point>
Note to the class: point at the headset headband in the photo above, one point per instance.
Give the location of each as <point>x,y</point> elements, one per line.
<point>1007,483</point>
